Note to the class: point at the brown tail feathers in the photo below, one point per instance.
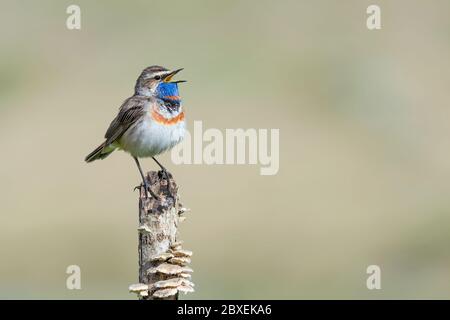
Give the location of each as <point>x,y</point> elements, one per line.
<point>99,153</point>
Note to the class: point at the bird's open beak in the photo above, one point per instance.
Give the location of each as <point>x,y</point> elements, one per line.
<point>169,76</point>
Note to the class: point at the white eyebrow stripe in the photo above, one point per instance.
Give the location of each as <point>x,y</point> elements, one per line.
<point>159,73</point>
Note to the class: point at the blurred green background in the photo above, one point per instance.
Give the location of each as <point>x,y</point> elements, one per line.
<point>364,146</point>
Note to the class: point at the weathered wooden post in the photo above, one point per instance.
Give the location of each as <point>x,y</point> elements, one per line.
<point>163,264</point>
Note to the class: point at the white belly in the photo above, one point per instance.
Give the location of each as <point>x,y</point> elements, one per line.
<point>148,138</point>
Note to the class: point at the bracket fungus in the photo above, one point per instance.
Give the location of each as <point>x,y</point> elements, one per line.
<point>139,288</point>
<point>169,269</point>
<point>172,283</point>
<point>144,229</point>
<point>181,253</point>
<point>181,261</point>
<point>165,293</point>
<point>170,287</point>
<point>162,257</point>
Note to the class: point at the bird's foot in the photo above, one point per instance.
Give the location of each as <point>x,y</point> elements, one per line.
<point>147,188</point>
<point>167,175</point>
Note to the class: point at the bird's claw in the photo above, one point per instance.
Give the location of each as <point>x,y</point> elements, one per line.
<point>165,174</point>
<point>147,189</point>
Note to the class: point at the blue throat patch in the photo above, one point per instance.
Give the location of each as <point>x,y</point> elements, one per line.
<point>166,90</point>
<point>167,94</point>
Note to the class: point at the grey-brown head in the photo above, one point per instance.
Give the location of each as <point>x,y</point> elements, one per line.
<point>151,77</point>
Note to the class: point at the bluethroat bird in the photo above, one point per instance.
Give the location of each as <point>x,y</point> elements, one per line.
<point>149,122</point>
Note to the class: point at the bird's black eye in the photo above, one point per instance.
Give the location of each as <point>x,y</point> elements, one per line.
<point>157,77</point>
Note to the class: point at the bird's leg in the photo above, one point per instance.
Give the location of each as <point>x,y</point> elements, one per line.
<point>159,164</point>
<point>166,175</point>
<point>147,187</point>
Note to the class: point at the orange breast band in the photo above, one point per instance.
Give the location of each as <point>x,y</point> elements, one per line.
<point>162,120</point>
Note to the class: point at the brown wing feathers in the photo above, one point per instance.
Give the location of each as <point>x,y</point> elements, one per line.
<point>130,112</point>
